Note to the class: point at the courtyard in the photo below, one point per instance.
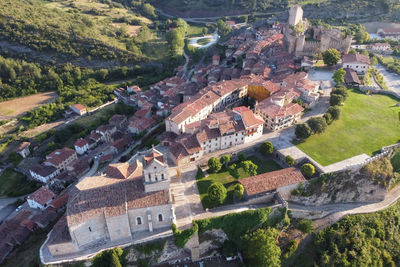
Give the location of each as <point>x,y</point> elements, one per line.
<point>367,123</point>
<point>264,165</point>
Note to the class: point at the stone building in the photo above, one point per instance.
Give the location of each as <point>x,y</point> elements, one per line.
<point>303,40</point>
<point>130,199</point>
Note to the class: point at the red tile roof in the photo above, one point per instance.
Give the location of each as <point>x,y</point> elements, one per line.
<point>60,155</point>
<point>355,57</point>
<point>60,201</point>
<point>270,181</point>
<point>42,195</point>
<point>79,107</point>
<point>23,145</point>
<point>80,142</point>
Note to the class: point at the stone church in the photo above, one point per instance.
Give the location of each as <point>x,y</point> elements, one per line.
<point>131,198</point>
<point>305,40</point>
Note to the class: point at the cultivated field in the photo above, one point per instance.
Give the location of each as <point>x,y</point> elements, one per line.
<point>367,124</point>
<point>14,108</point>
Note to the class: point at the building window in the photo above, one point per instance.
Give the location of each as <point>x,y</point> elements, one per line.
<point>149,176</point>
<point>160,217</point>
<point>90,229</point>
<point>162,176</point>
<point>138,220</point>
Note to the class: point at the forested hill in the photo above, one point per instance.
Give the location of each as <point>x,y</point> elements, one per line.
<point>330,10</point>
<point>104,32</point>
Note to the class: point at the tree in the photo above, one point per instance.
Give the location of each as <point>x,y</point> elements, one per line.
<point>249,167</point>
<point>340,90</point>
<point>303,131</point>
<point>238,191</point>
<point>217,193</point>
<point>225,159</point>
<point>334,111</point>
<point>262,249</point>
<point>149,10</point>
<point>223,28</point>
<point>328,118</point>
<point>317,125</point>
<point>175,39</point>
<point>374,61</point>
<point>331,56</point>
<point>338,76</point>
<point>336,100</point>
<point>115,260</point>
<point>305,226</point>
<point>307,170</point>
<point>266,148</point>
<point>214,165</point>
<point>242,157</point>
<point>289,160</point>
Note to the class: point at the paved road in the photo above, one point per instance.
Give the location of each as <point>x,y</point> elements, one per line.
<point>7,207</point>
<point>392,80</point>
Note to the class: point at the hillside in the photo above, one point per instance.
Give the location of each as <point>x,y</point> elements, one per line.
<point>84,32</point>
<point>330,10</point>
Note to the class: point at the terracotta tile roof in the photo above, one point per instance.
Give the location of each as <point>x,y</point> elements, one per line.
<point>95,196</point>
<point>249,119</point>
<point>80,142</point>
<point>95,136</point>
<point>122,142</point>
<point>60,155</point>
<point>270,181</point>
<point>380,45</point>
<point>23,145</point>
<point>141,113</point>
<point>167,137</point>
<point>116,119</point>
<point>60,201</point>
<point>79,107</point>
<point>120,170</point>
<point>277,112</point>
<point>43,170</point>
<point>5,250</point>
<point>355,57</point>
<point>391,30</point>
<point>153,155</point>
<point>178,150</point>
<point>105,158</point>
<point>60,233</point>
<point>351,76</point>
<point>42,195</point>
<point>106,128</point>
<point>142,124</point>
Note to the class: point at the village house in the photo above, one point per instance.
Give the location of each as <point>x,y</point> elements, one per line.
<point>106,132</point>
<point>81,146</point>
<point>278,111</point>
<point>267,184</point>
<point>380,47</point>
<point>139,125</point>
<point>131,198</point>
<point>389,32</point>
<point>118,121</point>
<point>78,167</point>
<point>219,131</point>
<point>357,62</point>
<point>43,173</point>
<point>41,198</point>
<point>23,149</point>
<point>78,109</point>
<point>60,158</point>
<point>351,78</point>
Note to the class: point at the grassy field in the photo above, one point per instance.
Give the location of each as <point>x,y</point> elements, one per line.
<point>14,108</point>
<point>264,165</point>
<point>14,184</point>
<point>367,123</point>
<point>204,41</point>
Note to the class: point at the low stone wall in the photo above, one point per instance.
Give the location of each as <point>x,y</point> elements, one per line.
<point>357,167</point>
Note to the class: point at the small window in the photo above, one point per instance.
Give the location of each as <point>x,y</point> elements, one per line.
<point>138,220</point>
<point>162,176</point>
<point>160,217</point>
<point>90,229</point>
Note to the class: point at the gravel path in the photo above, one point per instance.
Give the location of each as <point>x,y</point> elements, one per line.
<point>392,80</point>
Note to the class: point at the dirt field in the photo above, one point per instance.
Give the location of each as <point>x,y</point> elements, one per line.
<point>14,108</point>
<point>132,30</point>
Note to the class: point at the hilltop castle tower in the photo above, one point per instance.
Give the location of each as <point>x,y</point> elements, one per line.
<point>295,15</point>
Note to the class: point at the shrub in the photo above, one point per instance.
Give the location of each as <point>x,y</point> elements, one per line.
<point>182,237</point>
<point>266,148</point>
<point>305,226</point>
<point>331,56</point>
<point>238,191</point>
<point>233,171</point>
<point>336,100</point>
<point>225,159</point>
<point>214,164</point>
<point>217,193</point>
<point>249,167</point>
<point>242,157</point>
<point>334,111</point>
<point>308,170</point>
<point>289,160</point>
<point>317,124</point>
<point>328,118</point>
<point>303,131</point>
<point>340,90</point>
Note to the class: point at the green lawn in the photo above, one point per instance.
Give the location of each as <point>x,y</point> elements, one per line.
<point>367,123</point>
<point>203,41</point>
<point>14,184</point>
<point>264,165</point>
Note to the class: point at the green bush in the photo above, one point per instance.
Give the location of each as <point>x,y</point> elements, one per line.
<point>217,192</point>
<point>214,165</point>
<point>289,160</point>
<point>305,226</point>
<point>242,157</point>
<point>308,170</point>
<point>266,148</point>
<point>182,237</point>
<point>238,191</point>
